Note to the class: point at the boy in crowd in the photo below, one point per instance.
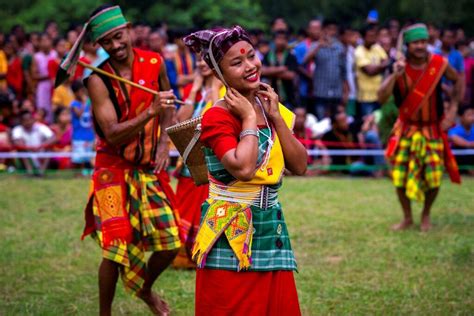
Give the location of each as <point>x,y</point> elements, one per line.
<point>82,132</point>
<point>462,136</point>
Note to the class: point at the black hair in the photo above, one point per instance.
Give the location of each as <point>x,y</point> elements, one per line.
<point>140,23</point>
<point>49,22</point>
<point>461,43</point>
<point>328,22</point>
<point>28,36</point>
<point>58,112</point>
<point>41,34</point>
<point>448,29</point>
<point>57,40</point>
<point>178,33</point>
<point>302,32</point>
<point>281,33</point>
<point>156,30</point>
<point>300,107</point>
<point>256,32</point>
<point>346,28</point>
<point>385,26</point>
<point>276,19</point>
<point>77,85</point>
<point>462,109</point>
<point>392,19</point>
<point>72,26</point>
<point>23,113</point>
<point>367,28</point>
<point>16,27</point>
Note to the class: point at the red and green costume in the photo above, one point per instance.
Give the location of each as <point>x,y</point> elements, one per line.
<point>130,208</point>
<point>418,148</point>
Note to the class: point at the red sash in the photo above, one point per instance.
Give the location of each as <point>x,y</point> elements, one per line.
<point>419,93</point>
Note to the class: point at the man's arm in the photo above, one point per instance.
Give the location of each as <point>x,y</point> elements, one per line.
<point>166,116</point>
<point>273,71</point>
<point>166,120</point>
<point>311,54</point>
<point>78,111</point>
<point>386,89</point>
<point>116,133</point>
<point>287,75</point>
<point>461,142</point>
<point>373,70</point>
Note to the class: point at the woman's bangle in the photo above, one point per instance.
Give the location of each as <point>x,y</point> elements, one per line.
<point>247,132</point>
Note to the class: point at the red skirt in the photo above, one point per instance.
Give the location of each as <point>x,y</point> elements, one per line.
<point>189,199</point>
<point>222,292</point>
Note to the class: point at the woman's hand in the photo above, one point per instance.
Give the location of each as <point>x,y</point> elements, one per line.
<point>269,99</point>
<point>238,104</point>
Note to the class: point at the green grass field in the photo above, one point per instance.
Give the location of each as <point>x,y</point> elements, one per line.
<point>350,263</point>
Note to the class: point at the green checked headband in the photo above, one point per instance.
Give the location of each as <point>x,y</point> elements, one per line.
<point>98,26</point>
<point>415,32</point>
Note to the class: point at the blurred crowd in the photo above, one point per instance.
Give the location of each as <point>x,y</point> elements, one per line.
<point>327,73</point>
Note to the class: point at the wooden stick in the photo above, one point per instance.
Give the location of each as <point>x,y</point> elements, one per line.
<point>121,79</point>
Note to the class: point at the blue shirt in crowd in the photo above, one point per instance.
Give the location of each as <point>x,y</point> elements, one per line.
<point>460,131</point>
<point>455,60</point>
<point>82,129</point>
<point>300,52</point>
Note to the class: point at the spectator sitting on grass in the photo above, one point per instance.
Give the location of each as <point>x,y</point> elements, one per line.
<point>83,136</point>
<point>369,138</point>
<point>5,144</point>
<point>340,137</point>
<point>305,134</point>
<point>301,132</point>
<point>35,137</point>
<point>462,136</point>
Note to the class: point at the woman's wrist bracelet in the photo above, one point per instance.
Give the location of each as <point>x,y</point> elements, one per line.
<point>247,132</point>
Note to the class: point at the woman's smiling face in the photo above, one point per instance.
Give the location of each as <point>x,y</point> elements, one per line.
<point>241,67</point>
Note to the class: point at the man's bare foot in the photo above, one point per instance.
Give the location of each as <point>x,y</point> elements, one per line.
<point>425,224</point>
<point>156,304</point>
<point>404,224</point>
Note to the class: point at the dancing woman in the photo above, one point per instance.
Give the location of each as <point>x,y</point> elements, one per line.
<point>242,249</point>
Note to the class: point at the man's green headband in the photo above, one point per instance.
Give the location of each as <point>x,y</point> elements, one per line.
<point>98,26</point>
<point>415,32</point>
<point>105,22</point>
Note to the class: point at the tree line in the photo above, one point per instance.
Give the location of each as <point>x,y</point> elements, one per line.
<point>252,14</point>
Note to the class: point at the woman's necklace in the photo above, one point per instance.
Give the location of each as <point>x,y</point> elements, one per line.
<point>266,158</point>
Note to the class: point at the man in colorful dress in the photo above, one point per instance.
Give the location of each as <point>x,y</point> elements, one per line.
<point>130,209</point>
<point>418,147</point>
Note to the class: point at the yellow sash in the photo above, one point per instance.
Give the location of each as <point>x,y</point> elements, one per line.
<point>234,220</point>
